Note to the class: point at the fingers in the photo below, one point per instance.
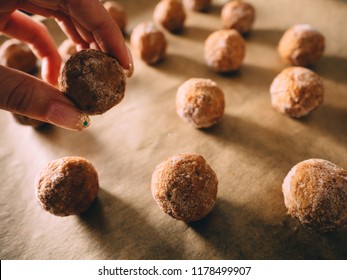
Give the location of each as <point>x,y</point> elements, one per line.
<point>22,27</point>
<point>27,95</point>
<point>94,19</point>
<point>68,27</point>
<point>87,23</point>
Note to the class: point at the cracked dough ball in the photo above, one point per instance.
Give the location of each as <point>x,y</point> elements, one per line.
<point>198,5</point>
<point>117,13</point>
<point>296,91</point>
<point>315,192</point>
<point>301,45</point>
<point>224,50</point>
<point>238,15</point>
<point>93,80</point>
<point>185,187</point>
<point>170,14</point>
<point>148,42</point>
<point>200,102</point>
<point>67,186</point>
<point>17,55</point>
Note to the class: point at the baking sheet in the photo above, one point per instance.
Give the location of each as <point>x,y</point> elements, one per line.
<point>251,150</point>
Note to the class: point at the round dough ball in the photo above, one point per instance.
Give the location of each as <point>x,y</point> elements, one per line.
<point>66,49</point>
<point>296,91</point>
<point>185,187</point>
<point>170,14</point>
<point>238,15</point>
<point>23,120</point>
<point>93,80</point>
<point>67,186</point>
<point>315,192</point>
<point>301,45</point>
<point>200,102</point>
<point>148,42</point>
<point>224,50</point>
<point>117,13</point>
<point>198,5</point>
<point>17,55</point>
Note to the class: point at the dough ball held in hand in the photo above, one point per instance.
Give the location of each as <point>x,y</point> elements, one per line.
<point>94,81</point>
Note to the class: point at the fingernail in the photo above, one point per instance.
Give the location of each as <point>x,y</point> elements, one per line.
<point>66,116</point>
<point>130,71</point>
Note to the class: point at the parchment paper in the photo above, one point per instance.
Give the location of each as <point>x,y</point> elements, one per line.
<point>251,150</point>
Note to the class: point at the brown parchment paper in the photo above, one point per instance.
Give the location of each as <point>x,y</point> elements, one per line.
<point>251,150</point>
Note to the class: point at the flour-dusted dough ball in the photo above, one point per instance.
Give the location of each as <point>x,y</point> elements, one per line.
<point>148,42</point>
<point>17,55</point>
<point>301,45</point>
<point>224,50</point>
<point>93,80</point>
<point>238,15</point>
<point>200,102</point>
<point>185,187</point>
<point>296,91</point>
<point>66,49</point>
<point>117,13</point>
<point>170,14</point>
<point>67,186</point>
<point>198,5</point>
<point>315,192</point>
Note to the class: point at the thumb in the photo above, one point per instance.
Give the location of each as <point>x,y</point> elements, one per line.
<point>26,95</point>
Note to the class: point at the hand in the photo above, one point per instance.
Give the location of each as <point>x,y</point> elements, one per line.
<point>86,22</point>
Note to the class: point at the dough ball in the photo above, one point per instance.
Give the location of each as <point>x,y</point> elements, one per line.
<point>67,186</point>
<point>185,187</point>
<point>170,14</point>
<point>148,42</point>
<point>200,102</point>
<point>224,50</point>
<point>296,91</point>
<point>238,15</point>
<point>23,120</point>
<point>93,80</point>
<point>66,49</point>
<point>315,192</point>
<point>198,5</point>
<point>301,45</point>
<point>17,55</point>
<point>117,13</point>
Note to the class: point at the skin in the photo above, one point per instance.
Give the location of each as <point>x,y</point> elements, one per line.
<point>86,22</point>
